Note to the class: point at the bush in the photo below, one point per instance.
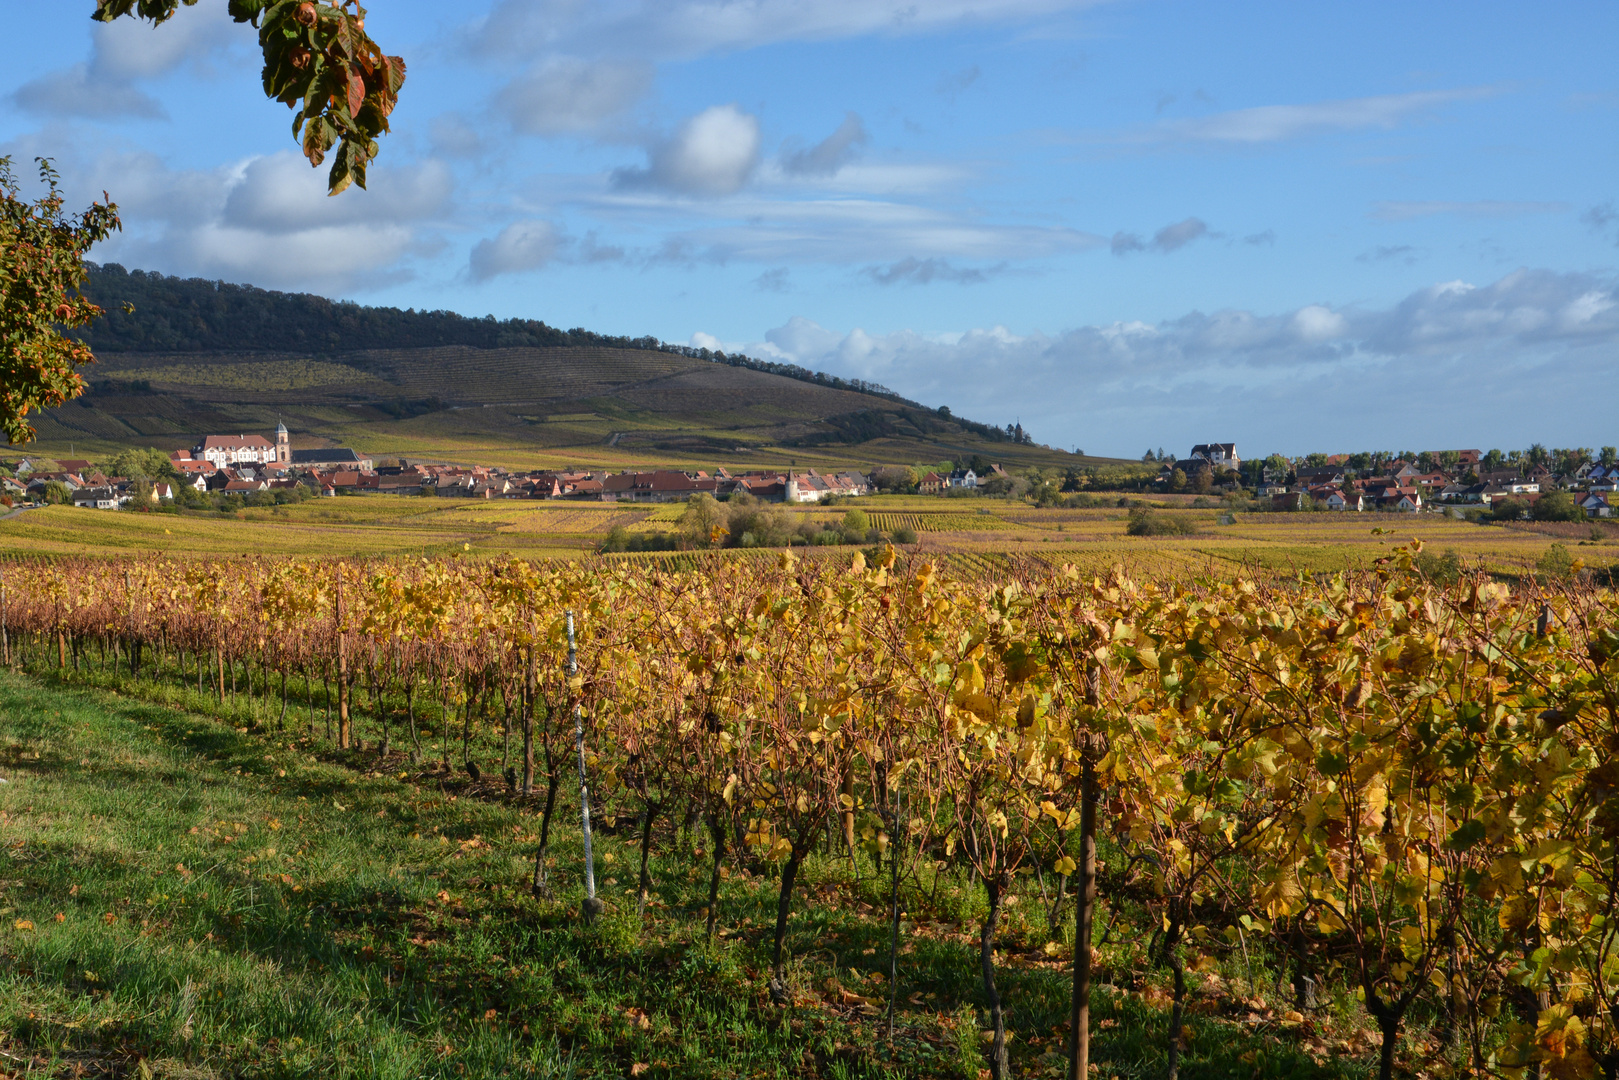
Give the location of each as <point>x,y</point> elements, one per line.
<point>1556,563</point>
<point>1443,569</point>
<point>1508,510</point>
<point>1557,506</point>
<point>856,521</point>
<point>904,535</point>
<point>1144,522</point>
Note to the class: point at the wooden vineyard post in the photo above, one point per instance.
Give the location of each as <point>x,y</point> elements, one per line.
<point>1079,1018</point>
<point>592,906</point>
<point>343,729</point>
<point>5,630</point>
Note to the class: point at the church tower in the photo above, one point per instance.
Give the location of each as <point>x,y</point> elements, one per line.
<point>283,445</point>
<point>792,487</point>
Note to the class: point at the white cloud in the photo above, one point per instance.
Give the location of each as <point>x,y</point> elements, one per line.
<point>265,220</point>
<point>844,231</point>
<point>829,155</point>
<point>689,28</point>
<point>713,153</point>
<point>280,193</point>
<point>123,52</point>
<point>1504,358</point>
<point>1486,208</point>
<point>520,246</point>
<point>568,95</point>
<point>74,91</point>
<point>1279,123</point>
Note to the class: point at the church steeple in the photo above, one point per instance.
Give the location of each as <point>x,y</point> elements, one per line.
<point>283,444</point>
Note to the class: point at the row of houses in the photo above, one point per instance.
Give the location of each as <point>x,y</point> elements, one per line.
<point>1406,487</point>
<point>87,485</point>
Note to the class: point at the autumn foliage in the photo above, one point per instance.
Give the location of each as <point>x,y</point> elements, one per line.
<point>1403,790</point>
<point>41,267</point>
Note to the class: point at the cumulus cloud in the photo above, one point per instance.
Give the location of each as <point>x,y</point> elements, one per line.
<point>568,95</point>
<point>122,53</point>
<point>713,153</point>
<point>279,194</point>
<point>1483,208</point>
<point>267,221</point>
<point>1502,355</point>
<point>75,91</point>
<point>829,155</point>
<point>926,271</point>
<point>1169,238</point>
<point>520,246</point>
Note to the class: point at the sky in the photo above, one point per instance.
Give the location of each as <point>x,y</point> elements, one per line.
<point>1125,225</point>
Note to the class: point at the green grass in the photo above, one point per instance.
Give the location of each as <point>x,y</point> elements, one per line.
<point>211,899</point>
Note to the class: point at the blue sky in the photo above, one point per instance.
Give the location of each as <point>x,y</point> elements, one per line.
<point>1130,224</point>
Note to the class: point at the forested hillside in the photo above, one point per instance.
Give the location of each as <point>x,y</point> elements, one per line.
<point>194,357</point>
<point>172,314</point>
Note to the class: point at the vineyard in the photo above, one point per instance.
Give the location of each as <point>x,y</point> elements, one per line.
<point>1366,818</point>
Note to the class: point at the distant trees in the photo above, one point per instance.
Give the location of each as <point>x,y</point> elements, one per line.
<point>57,493</point>
<point>1508,509</point>
<point>893,480</point>
<point>1557,506</point>
<point>148,464</point>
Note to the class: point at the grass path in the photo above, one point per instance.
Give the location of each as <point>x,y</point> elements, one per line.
<point>184,898</point>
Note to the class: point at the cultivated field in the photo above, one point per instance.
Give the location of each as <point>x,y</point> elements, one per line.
<point>971,535</point>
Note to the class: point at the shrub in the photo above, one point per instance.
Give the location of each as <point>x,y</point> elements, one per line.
<point>1556,563</point>
<point>1144,522</point>
<point>856,521</point>
<point>1557,506</point>
<point>1443,569</point>
<point>1508,510</point>
<point>904,535</point>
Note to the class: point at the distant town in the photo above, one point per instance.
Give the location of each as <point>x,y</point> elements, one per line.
<point>1540,483</point>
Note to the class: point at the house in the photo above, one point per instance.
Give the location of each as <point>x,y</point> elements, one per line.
<point>188,466</point>
<point>1403,498</point>
<point>1320,476</point>
<point>932,484</point>
<point>222,450</point>
<point>1334,498</point>
<point>337,457</point>
<point>1292,500</point>
<point>1596,504</point>
<point>964,478</point>
<point>1219,455</point>
<point>99,498</point>
<point>662,485</point>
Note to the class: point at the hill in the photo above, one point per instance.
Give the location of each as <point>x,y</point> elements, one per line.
<point>198,356</point>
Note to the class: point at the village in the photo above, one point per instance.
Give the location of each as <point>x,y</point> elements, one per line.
<point>1560,484</point>
<point>1506,485</point>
